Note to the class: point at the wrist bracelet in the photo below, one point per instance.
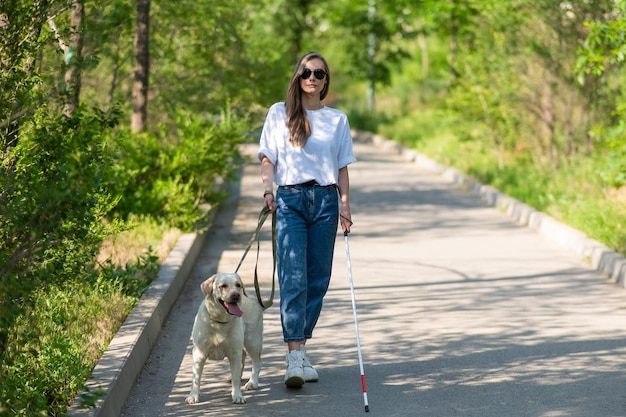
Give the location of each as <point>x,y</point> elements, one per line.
<point>268,192</point>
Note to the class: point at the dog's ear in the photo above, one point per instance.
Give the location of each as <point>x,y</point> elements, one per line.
<point>207,286</point>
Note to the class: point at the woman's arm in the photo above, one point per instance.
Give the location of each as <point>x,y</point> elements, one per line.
<point>267,176</point>
<point>345,217</point>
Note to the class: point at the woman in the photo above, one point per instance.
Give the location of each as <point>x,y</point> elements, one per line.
<point>305,148</point>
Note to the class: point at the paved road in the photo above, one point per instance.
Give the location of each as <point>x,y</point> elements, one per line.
<point>461,313</point>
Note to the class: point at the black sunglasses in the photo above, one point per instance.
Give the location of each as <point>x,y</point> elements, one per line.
<point>320,74</point>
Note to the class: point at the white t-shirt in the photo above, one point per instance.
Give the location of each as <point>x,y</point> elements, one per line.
<point>328,149</point>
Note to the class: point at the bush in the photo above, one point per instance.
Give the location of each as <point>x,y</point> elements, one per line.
<point>53,201</point>
<point>170,177</point>
<point>57,341</point>
<point>65,186</point>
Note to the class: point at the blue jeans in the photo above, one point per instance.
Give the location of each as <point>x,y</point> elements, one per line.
<point>306,227</point>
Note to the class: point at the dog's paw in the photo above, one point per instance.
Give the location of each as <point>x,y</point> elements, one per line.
<point>238,399</point>
<point>192,399</point>
<point>250,386</point>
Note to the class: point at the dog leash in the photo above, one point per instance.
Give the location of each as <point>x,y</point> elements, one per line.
<point>265,304</point>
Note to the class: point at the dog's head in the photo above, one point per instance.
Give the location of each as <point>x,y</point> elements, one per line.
<point>226,290</point>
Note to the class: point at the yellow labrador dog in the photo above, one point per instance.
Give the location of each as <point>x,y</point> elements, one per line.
<point>228,324</point>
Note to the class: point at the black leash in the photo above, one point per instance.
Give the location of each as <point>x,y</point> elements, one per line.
<point>265,304</point>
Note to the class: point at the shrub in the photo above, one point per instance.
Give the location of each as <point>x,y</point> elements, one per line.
<point>53,200</point>
<point>65,186</point>
<point>171,177</point>
<point>57,341</point>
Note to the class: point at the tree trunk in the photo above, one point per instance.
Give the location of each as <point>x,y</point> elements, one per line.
<point>139,118</point>
<point>73,58</point>
<point>296,26</point>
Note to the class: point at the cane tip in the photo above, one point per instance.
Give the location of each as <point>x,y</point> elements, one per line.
<point>367,408</point>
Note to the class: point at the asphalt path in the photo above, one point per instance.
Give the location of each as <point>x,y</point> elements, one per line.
<point>461,312</point>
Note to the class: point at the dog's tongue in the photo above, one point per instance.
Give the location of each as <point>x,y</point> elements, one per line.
<point>234,309</point>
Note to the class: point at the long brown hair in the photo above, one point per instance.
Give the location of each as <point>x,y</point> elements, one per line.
<point>297,120</point>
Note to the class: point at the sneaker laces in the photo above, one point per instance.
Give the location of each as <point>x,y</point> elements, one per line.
<point>305,359</point>
<point>295,359</point>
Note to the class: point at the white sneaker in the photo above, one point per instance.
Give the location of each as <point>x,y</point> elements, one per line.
<point>294,377</point>
<point>310,374</point>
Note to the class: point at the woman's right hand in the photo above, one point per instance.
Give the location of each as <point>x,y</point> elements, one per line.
<point>269,202</point>
<point>267,176</point>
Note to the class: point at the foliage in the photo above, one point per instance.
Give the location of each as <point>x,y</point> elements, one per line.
<point>205,56</point>
<point>512,113</point>
<point>21,23</point>
<point>364,37</point>
<point>515,78</point>
<point>600,59</point>
<point>62,333</point>
<point>62,179</point>
<point>604,47</point>
<point>172,178</point>
<point>53,198</point>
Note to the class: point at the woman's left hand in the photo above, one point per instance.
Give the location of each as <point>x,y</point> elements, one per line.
<point>346,221</point>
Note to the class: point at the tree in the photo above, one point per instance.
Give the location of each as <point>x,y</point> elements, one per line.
<point>296,28</point>
<point>600,61</point>
<point>73,58</point>
<point>366,31</point>
<point>142,67</point>
<point>42,149</point>
<point>604,48</point>
<point>21,24</point>
<point>516,81</point>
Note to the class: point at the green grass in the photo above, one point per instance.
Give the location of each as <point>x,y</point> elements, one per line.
<point>61,337</point>
<point>64,329</point>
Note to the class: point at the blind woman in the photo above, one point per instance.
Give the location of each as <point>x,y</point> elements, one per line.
<point>305,149</point>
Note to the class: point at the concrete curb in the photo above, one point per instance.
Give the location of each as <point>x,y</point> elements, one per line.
<point>600,257</point>
<point>123,360</point>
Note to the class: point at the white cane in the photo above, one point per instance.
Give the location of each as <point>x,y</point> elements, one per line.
<point>356,325</point>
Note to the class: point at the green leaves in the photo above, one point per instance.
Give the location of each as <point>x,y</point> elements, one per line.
<point>605,45</point>
<point>56,342</point>
<point>53,202</point>
<point>173,178</point>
